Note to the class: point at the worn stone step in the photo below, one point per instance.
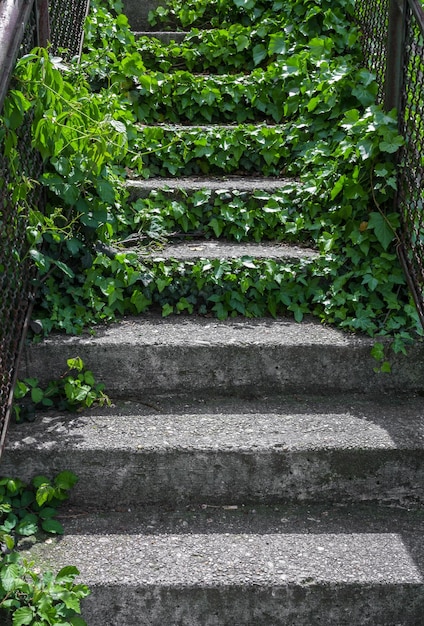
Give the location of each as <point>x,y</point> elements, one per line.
<point>218,249</point>
<point>269,567</point>
<point>142,187</point>
<point>231,450</point>
<point>138,357</point>
<point>137,13</point>
<point>164,36</point>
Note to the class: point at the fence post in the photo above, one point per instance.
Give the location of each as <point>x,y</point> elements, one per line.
<point>43,22</point>
<point>395,54</point>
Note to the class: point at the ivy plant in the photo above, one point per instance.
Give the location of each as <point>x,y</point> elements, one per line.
<point>75,389</point>
<point>123,112</point>
<point>28,596</point>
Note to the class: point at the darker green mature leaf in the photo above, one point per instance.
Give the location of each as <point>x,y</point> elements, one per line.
<point>37,395</point>
<point>65,480</point>
<point>391,144</point>
<point>259,53</point>
<point>106,191</point>
<point>77,621</point>
<point>277,44</point>
<point>52,526</point>
<point>64,267</point>
<point>382,229</point>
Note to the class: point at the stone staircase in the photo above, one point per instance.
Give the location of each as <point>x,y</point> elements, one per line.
<point>250,471</point>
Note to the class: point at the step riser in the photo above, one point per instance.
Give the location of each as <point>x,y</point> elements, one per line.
<point>137,371</point>
<point>137,13</point>
<point>133,478</point>
<point>280,606</point>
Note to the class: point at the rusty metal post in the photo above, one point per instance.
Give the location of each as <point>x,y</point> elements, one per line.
<point>43,22</point>
<point>395,54</point>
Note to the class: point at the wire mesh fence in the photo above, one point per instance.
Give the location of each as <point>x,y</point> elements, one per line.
<point>392,38</point>
<point>393,46</point>
<point>16,273</point>
<point>411,159</point>
<point>373,17</point>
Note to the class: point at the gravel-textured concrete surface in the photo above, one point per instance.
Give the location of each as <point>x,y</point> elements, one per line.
<point>142,356</point>
<point>203,248</point>
<point>324,573</point>
<point>228,450</point>
<point>140,188</point>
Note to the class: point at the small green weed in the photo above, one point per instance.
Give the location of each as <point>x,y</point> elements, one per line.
<point>75,389</point>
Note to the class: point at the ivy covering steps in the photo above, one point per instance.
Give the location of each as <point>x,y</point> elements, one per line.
<point>255,467</point>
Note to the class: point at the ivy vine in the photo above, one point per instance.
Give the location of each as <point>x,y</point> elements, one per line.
<point>123,112</point>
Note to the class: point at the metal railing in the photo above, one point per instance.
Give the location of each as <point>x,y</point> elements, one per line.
<point>393,47</point>
<point>23,25</point>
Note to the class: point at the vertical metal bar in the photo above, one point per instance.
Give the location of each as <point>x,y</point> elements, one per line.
<point>43,22</point>
<point>395,52</point>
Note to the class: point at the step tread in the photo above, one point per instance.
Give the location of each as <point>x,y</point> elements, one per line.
<point>245,126</point>
<point>153,329</point>
<point>182,450</point>
<point>230,424</point>
<point>213,249</point>
<point>235,559</point>
<point>240,183</point>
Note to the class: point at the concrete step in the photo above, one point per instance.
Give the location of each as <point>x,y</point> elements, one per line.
<point>164,36</point>
<point>218,249</point>
<point>141,188</point>
<point>268,566</point>
<point>137,13</point>
<point>221,450</point>
<point>138,357</point>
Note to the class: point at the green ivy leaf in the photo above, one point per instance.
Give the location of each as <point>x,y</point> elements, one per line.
<point>52,526</point>
<point>382,229</point>
<point>65,480</point>
<point>10,576</point>
<point>23,616</point>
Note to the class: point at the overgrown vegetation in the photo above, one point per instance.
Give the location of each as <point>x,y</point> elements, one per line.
<point>26,595</point>
<point>296,70</point>
<point>75,389</point>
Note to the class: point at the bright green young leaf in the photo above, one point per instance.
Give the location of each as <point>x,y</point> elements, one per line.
<point>10,576</point>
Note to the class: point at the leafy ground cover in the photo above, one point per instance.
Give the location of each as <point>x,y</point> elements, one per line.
<point>26,595</point>
<point>124,112</point>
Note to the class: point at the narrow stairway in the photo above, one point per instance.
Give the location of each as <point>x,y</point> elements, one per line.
<point>253,469</point>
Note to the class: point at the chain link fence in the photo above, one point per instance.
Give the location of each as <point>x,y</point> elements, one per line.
<point>61,23</point>
<point>393,46</point>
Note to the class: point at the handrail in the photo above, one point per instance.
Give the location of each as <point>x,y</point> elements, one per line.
<point>14,15</point>
<point>418,11</point>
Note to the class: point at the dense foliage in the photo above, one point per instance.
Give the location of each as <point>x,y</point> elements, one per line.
<point>28,596</point>
<point>291,99</point>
